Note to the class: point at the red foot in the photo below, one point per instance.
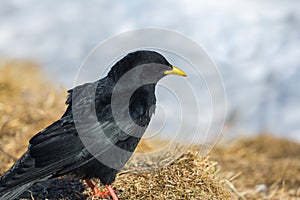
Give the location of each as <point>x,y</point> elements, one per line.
<point>112,192</point>
<point>98,193</point>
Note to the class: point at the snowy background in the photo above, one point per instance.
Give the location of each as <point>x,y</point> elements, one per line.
<point>255,44</point>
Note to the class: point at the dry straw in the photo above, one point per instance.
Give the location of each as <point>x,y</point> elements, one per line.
<point>259,168</point>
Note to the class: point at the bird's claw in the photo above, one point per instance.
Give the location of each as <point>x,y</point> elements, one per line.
<point>108,194</point>
<point>101,194</point>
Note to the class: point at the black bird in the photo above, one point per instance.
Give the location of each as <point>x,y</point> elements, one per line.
<point>99,130</point>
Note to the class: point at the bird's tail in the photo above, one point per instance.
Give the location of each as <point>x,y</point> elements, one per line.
<point>14,193</point>
<point>19,178</point>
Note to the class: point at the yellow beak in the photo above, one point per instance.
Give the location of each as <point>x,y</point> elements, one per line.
<point>175,71</point>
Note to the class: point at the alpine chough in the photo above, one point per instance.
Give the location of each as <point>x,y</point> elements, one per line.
<point>78,144</point>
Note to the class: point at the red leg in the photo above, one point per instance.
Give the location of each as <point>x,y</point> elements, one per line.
<point>96,191</point>
<point>112,192</point>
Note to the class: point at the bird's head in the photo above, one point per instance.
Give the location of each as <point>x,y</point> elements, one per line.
<point>143,65</point>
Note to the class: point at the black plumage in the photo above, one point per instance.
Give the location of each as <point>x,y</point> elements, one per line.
<point>59,149</point>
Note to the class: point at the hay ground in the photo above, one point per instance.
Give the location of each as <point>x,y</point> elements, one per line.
<point>256,168</point>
